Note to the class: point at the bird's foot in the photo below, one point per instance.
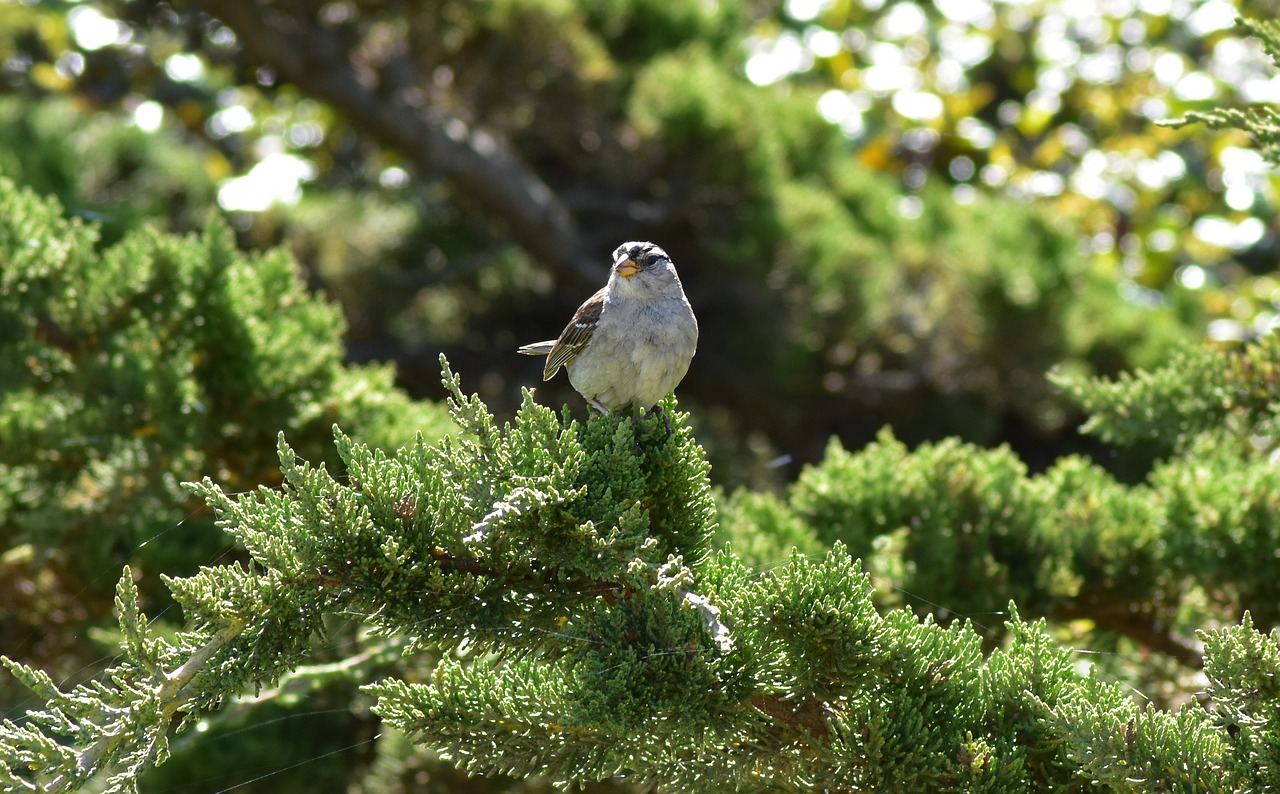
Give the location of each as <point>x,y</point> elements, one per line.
<point>599,406</point>
<point>635,422</point>
<point>660,411</point>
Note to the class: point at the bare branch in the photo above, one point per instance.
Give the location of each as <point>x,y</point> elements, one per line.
<point>479,164</point>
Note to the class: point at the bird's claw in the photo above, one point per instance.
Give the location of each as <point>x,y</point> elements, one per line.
<point>658,409</point>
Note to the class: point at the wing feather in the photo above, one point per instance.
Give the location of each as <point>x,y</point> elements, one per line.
<point>575,336</point>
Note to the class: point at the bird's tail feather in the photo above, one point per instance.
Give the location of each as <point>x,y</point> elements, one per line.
<point>537,348</point>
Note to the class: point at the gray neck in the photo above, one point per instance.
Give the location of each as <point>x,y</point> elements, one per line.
<point>652,286</point>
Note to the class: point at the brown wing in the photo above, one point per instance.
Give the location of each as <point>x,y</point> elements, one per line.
<point>575,335</point>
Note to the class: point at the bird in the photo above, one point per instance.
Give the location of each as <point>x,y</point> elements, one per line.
<point>630,344</point>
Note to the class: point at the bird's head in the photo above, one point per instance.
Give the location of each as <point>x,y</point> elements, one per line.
<point>641,263</point>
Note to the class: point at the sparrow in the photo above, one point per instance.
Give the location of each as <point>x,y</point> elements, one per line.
<point>630,344</point>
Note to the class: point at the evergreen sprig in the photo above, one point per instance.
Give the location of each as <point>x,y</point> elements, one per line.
<point>124,724</point>
<point>1199,391</point>
<point>1262,122</point>
<point>1243,670</point>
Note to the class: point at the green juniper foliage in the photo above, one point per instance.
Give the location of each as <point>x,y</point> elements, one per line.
<point>1262,123</point>
<point>1243,669</point>
<point>561,573</point>
<point>129,368</point>
<point>1200,392</point>
<point>950,528</point>
<point>509,531</point>
<point>567,599</point>
<point>571,602</point>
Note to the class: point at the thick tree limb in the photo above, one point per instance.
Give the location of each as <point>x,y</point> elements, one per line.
<point>483,170</point>
<point>1110,612</point>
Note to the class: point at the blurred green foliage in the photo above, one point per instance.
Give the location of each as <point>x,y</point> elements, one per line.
<point>130,368</point>
<point>1060,102</point>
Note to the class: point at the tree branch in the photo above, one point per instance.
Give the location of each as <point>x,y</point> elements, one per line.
<point>480,166</point>
<point>807,715</point>
<point>1110,612</point>
<point>170,694</point>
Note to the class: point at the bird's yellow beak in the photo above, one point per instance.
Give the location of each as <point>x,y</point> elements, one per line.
<point>627,269</point>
